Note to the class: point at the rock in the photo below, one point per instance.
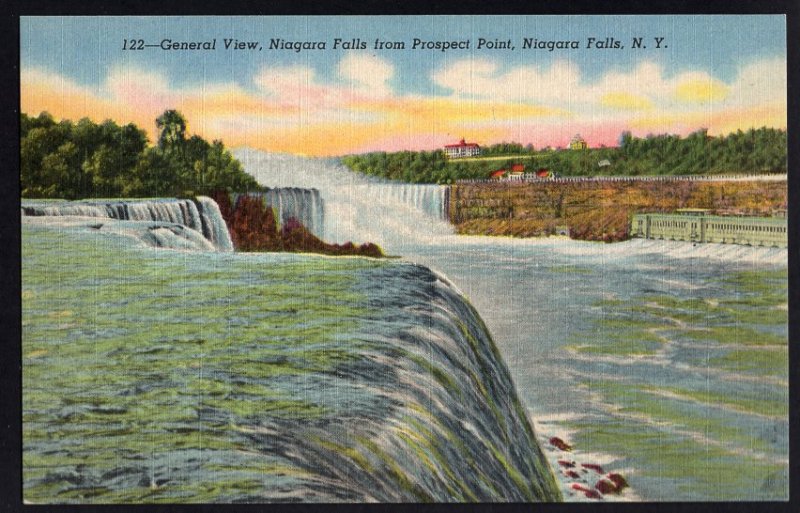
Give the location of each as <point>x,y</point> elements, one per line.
<point>612,483</point>
<point>560,444</point>
<point>593,466</point>
<point>619,481</point>
<point>588,492</point>
<point>591,494</point>
<point>605,486</point>
<point>566,464</point>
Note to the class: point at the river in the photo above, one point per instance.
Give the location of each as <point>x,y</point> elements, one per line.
<point>665,361</point>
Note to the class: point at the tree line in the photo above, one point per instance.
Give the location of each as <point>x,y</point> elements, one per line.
<point>89,160</point>
<point>762,150</point>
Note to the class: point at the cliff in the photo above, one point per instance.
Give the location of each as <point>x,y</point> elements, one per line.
<point>599,211</point>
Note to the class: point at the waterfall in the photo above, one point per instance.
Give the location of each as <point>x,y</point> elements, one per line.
<point>358,208</point>
<point>201,215</point>
<point>305,205</point>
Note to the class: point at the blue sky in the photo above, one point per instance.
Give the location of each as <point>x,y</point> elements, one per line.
<point>84,52</point>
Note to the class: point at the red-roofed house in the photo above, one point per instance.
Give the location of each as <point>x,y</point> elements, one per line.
<point>517,172</point>
<point>462,149</point>
<point>544,173</point>
<point>497,175</point>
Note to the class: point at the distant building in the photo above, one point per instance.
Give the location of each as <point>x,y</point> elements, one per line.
<point>577,143</point>
<point>543,172</point>
<point>604,163</point>
<point>462,149</point>
<point>517,172</point>
<point>697,225</point>
<point>497,175</point>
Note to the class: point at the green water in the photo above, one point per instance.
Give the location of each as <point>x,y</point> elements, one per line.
<point>671,371</point>
<point>167,376</point>
<point>106,354</point>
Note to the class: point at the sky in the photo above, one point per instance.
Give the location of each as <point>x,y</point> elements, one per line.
<point>721,73</point>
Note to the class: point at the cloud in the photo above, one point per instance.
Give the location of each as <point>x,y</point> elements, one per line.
<point>367,72</point>
<point>625,101</point>
<point>482,78</point>
<point>293,109</point>
<point>759,82</point>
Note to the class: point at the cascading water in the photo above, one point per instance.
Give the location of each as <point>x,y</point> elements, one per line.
<point>201,215</point>
<point>358,208</point>
<point>305,205</point>
<point>214,227</point>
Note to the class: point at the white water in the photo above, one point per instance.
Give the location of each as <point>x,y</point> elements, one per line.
<point>537,295</point>
<point>184,224</point>
<point>214,224</point>
<point>304,205</point>
<point>402,217</point>
<point>357,208</point>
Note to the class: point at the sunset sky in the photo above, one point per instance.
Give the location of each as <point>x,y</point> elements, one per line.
<point>722,73</point>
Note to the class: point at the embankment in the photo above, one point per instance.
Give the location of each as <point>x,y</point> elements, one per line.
<point>599,211</point>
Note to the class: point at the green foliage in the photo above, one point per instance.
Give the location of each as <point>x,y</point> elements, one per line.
<point>85,160</point>
<point>762,150</point>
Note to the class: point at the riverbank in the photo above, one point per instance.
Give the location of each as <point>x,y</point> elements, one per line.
<point>596,211</point>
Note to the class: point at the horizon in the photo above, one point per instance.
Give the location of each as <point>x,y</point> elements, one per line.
<point>565,147</point>
<point>335,102</point>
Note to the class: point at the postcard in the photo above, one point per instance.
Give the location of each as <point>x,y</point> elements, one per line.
<point>412,258</point>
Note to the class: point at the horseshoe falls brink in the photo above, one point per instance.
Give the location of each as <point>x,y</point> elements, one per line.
<point>360,209</point>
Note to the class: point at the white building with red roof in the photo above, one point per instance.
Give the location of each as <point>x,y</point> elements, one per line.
<point>462,149</point>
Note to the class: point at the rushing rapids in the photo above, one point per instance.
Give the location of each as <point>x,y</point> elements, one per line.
<point>365,380</point>
<point>179,217</point>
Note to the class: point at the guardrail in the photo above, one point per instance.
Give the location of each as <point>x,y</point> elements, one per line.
<point>676,178</point>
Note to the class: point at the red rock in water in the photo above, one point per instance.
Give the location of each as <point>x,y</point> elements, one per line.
<point>580,487</point>
<point>567,464</point>
<point>605,486</point>
<point>560,444</point>
<point>572,474</point>
<point>591,494</point>
<point>592,466</point>
<point>613,483</point>
<point>618,481</point>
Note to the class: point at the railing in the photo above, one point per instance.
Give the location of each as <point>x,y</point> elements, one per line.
<point>532,178</point>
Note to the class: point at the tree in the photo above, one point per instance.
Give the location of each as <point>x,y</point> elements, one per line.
<point>171,130</point>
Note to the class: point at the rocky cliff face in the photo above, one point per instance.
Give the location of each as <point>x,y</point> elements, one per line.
<point>599,211</point>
